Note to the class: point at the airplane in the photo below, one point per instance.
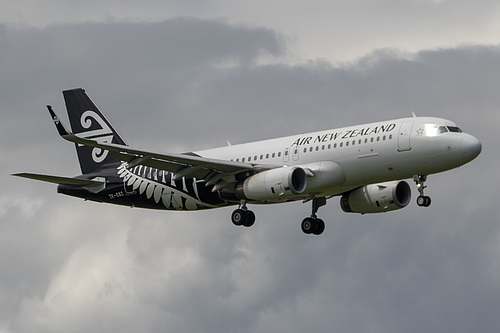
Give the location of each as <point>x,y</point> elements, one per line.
<point>365,165</point>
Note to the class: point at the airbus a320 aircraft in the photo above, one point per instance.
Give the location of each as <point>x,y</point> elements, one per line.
<point>364,165</point>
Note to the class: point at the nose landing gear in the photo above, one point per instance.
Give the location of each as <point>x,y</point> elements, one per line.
<point>422,200</point>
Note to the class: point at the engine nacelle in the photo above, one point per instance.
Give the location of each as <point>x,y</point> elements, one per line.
<point>377,198</point>
<point>274,184</point>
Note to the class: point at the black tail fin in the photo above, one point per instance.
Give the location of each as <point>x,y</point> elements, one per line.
<point>88,122</point>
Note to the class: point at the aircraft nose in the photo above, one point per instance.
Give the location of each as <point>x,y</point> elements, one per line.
<point>471,147</point>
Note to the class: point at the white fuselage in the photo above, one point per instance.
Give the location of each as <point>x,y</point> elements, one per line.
<point>366,154</point>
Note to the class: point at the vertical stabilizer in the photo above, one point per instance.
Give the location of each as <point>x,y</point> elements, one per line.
<point>88,122</point>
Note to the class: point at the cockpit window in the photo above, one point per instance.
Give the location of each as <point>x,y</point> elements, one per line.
<point>454,129</point>
<point>433,129</point>
<point>442,129</point>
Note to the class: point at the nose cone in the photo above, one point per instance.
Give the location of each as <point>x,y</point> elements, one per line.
<point>471,147</point>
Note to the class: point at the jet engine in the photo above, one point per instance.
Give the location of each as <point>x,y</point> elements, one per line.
<point>377,198</point>
<point>280,183</point>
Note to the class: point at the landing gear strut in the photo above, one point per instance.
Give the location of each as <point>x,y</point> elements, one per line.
<point>422,200</point>
<point>313,224</point>
<point>243,216</point>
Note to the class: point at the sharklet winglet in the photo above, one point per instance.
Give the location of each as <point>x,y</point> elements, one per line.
<point>61,128</point>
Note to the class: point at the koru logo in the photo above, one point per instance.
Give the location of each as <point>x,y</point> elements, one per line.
<point>56,120</point>
<point>102,135</point>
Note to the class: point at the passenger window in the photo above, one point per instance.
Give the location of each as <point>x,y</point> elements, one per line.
<point>274,154</point>
<point>317,148</point>
<point>366,140</point>
<point>323,147</point>
<point>305,150</point>
<point>383,138</point>
<point>347,143</point>
<point>371,140</point>
<point>378,138</point>
<point>279,154</point>
<point>267,156</point>
<point>390,137</point>
<point>334,145</point>
<point>261,157</point>
<point>329,146</point>
<point>340,145</point>
<point>311,149</point>
<point>243,159</point>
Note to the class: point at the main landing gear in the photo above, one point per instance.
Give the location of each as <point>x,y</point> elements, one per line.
<point>310,225</point>
<point>243,216</point>
<point>422,200</point>
<point>313,224</point>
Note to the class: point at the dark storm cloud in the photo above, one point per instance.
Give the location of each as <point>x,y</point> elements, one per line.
<point>120,57</point>
<point>69,265</point>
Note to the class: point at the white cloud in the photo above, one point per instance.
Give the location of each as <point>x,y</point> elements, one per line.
<point>26,206</point>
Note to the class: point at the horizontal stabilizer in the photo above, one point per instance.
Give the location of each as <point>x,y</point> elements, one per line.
<point>60,180</point>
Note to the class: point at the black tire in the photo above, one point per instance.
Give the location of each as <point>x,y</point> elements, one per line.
<point>308,225</point>
<point>249,218</point>
<point>319,227</point>
<point>238,217</point>
<point>421,200</point>
<point>427,202</point>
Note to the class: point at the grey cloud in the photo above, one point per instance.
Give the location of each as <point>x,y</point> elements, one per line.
<point>80,266</point>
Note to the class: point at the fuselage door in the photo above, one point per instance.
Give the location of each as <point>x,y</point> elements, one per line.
<point>404,136</point>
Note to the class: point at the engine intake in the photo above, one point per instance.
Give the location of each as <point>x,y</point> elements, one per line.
<point>377,198</point>
<point>281,183</point>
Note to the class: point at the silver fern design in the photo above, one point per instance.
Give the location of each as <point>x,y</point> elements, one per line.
<point>158,185</point>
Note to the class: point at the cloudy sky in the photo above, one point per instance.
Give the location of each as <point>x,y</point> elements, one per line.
<point>189,75</point>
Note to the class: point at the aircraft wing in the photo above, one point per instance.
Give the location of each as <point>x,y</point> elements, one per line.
<point>60,180</point>
<point>216,172</point>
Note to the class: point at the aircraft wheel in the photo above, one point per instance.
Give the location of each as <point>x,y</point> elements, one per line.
<point>311,225</point>
<point>249,218</point>
<point>238,217</point>
<point>307,225</point>
<point>320,227</point>
<point>424,201</point>
<point>243,217</point>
